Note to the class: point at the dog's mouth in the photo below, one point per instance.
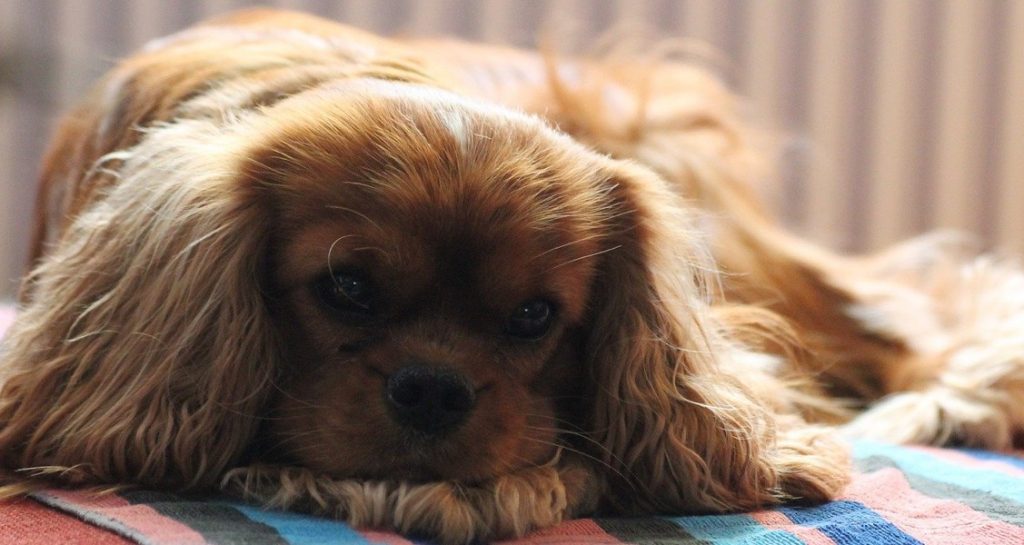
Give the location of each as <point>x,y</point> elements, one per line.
<point>416,473</point>
<point>427,458</point>
<point>400,455</point>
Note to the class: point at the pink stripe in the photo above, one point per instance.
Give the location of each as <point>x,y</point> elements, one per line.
<point>139,518</point>
<point>384,538</point>
<point>577,532</point>
<point>778,521</point>
<point>960,458</point>
<point>929,520</point>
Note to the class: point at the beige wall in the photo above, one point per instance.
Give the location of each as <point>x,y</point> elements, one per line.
<point>902,115</point>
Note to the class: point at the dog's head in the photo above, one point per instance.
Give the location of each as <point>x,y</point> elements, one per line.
<point>431,272</point>
<point>379,280</point>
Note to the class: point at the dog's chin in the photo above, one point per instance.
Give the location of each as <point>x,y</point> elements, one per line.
<point>430,468</point>
<point>396,454</point>
<point>432,461</point>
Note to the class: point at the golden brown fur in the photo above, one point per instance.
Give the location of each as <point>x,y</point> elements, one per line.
<point>699,358</point>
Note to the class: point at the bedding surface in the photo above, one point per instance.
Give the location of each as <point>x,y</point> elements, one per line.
<point>899,495</point>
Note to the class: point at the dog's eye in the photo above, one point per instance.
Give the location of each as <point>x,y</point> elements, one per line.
<point>531,320</point>
<point>346,291</point>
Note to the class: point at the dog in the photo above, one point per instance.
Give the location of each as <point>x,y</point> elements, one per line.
<point>465,292</point>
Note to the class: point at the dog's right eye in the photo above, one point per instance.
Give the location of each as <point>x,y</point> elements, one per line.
<point>347,292</point>
<point>531,320</point>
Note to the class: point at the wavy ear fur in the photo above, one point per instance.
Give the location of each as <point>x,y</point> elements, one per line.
<point>682,432</point>
<point>145,351</point>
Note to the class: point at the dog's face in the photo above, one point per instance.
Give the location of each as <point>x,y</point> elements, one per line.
<point>432,264</point>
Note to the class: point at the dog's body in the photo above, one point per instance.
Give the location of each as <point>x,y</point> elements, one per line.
<point>346,274</point>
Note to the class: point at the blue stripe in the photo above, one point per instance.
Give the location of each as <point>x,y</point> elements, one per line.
<point>734,530</point>
<point>994,456</point>
<point>303,529</point>
<point>921,463</point>
<point>849,523</point>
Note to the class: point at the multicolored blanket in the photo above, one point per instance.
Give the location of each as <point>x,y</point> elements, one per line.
<point>899,495</point>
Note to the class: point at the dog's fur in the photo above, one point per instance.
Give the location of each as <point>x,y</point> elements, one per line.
<point>700,359</point>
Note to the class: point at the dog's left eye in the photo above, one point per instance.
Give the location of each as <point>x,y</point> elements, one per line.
<point>346,291</point>
<point>531,320</point>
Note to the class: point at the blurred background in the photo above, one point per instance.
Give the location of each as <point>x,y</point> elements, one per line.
<point>898,116</point>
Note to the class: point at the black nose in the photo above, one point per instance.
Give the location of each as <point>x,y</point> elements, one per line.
<point>433,401</point>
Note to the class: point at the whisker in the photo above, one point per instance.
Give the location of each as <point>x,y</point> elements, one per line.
<point>586,455</point>
<point>582,435</point>
<point>356,212</point>
<point>330,265</point>
<point>588,256</point>
<point>566,245</point>
<point>301,402</point>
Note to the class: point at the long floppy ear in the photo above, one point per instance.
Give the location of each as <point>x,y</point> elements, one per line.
<point>144,352</point>
<point>681,432</point>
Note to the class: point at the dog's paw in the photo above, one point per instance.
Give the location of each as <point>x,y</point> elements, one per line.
<point>938,416</point>
<point>448,513</point>
<point>455,514</point>
<point>812,463</point>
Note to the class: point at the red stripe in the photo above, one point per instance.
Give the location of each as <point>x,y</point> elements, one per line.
<point>25,522</point>
<point>384,538</point>
<point>577,532</point>
<point>138,518</point>
<point>929,520</point>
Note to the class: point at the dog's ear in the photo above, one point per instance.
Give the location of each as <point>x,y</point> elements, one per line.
<point>680,431</point>
<point>145,351</point>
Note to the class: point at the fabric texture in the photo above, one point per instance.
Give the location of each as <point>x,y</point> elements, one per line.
<point>899,495</point>
<point>26,522</point>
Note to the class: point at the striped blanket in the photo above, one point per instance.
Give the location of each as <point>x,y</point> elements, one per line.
<point>899,495</point>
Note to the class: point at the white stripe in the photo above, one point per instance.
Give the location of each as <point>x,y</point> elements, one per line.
<point>958,151</point>
<point>1010,171</point>
<point>894,140</point>
<point>827,181</point>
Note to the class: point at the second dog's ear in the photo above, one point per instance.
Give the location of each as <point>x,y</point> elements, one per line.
<point>145,353</point>
<point>679,431</point>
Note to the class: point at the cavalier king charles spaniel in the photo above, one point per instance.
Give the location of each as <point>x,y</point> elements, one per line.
<point>464,292</point>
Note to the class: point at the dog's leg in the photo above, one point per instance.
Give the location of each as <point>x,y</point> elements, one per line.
<point>963,319</point>
<point>452,513</point>
<point>929,335</point>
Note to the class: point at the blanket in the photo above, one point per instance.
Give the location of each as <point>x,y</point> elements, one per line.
<point>899,495</point>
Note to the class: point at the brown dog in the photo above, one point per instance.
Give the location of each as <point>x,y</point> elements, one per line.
<point>401,283</point>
